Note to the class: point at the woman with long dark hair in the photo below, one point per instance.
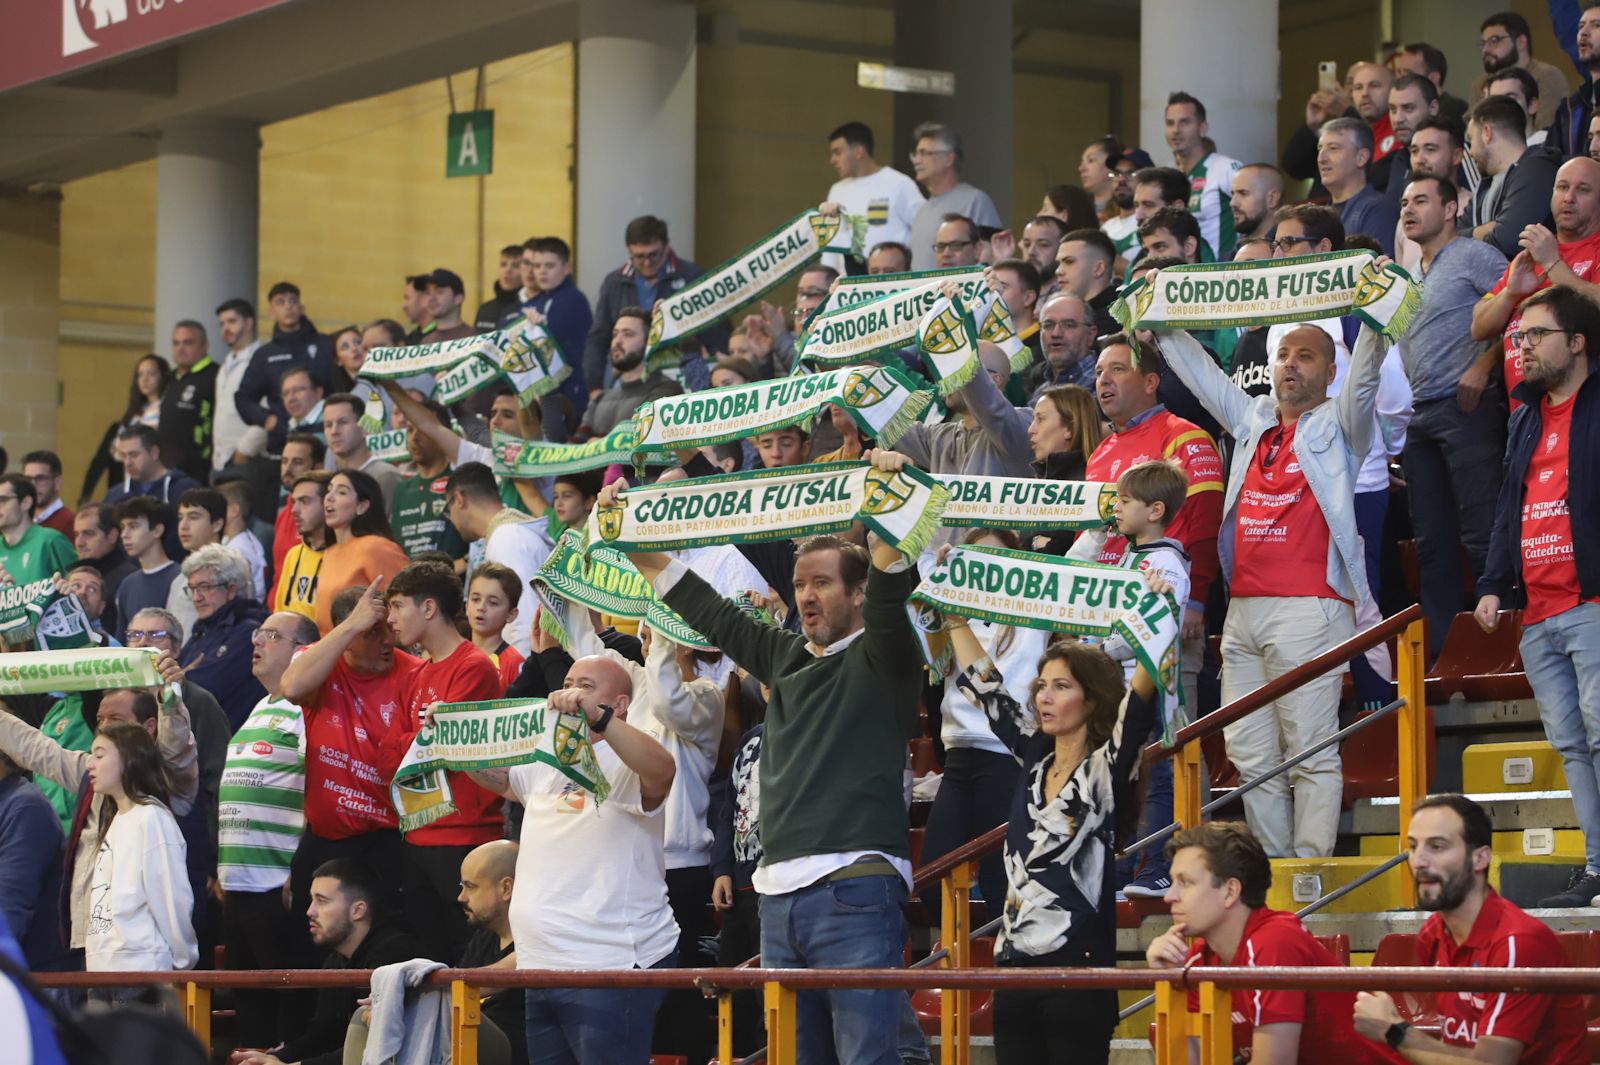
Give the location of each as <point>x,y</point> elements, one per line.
<point>361,545</point>
<point>151,375</point>
<point>1072,205</point>
<point>1075,800</point>
<point>139,894</point>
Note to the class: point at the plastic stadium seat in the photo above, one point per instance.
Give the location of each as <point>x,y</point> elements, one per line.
<point>1480,666</point>
<point>1338,945</point>
<point>927,1002</point>
<point>923,758</point>
<point>1400,948</point>
<point>1372,760</point>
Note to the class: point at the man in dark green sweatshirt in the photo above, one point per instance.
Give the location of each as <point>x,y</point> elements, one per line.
<point>836,874</point>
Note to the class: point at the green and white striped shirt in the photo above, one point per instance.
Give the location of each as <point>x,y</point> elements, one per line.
<point>261,805</point>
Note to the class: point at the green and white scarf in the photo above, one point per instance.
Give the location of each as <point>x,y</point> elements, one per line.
<point>603,580</point>
<point>752,273</point>
<point>516,457</point>
<point>78,670</point>
<point>857,332</point>
<point>881,400</point>
<point>996,325</point>
<point>490,735</point>
<point>410,360</point>
<point>1026,504</point>
<point>864,288</point>
<point>1273,292</point>
<point>531,358</point>
<point>1053,594</point>
<point>472,374</point>
<point>20,606</point>
<point>388,445</point>
<point>780,504</point>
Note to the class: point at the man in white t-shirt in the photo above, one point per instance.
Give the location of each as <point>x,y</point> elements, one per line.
<point>603,904</point>
<point>888,198</point>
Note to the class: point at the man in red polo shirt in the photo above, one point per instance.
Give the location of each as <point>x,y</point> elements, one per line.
<point>349,684</point>
<point>1220,877</point>
<point>424,601</point>
<point>1570,256</point>
<point>1473,927</point>
<point>1143,430</point>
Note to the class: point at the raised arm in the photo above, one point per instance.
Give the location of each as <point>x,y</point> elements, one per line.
<point>426,423</point>
<point>638,750</point>
<point>980,681</point>
<point>691,709</point>
<point>1227,402</point>
<point>313,665</point>
<point>40,755</point>
<point>1357,401</point>
<point>1006,427</point>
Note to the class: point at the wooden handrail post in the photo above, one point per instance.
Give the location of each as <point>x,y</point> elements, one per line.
<point>1188,785</point>
<point>724,1028</point>
<point>1172,1024</point>
<point>1412,747</point>
<point>780,1024</point>
<point>1216,1025</point>
<point>197,1012</point>
<point>955,929</point>
<point>465,1016</point>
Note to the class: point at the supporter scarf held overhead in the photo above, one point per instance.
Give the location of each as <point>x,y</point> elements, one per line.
<point>860,331</point>
<point>78,670</point>
<point>603,580</point>
<point>1273,292</point>
<point>1051,594</point>
<point>881,400</point>
<point>524,353</point>
<point>752,273</point>
<point>490,735</point>
<point>1026,504</point>
<point>903,508</point>
<point>864,288</point>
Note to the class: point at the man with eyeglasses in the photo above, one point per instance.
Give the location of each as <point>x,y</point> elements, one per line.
<point>259,825</point>
<point>43,468</point>
<point>1066,335</point>
<point>217,654</point>
<point>955,242</point>
<point>1456,436</point>
<point>28,552</point>
<point>653,271</point>
<point>1505,40</point>
<point>1570,257</point>
<point>1546,532</point>
<point>937,162</point>
<point>1294,559</point>
<point>1122,227</point>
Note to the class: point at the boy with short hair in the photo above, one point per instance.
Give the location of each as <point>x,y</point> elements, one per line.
<point>202,514</point>
<point>144,521</point>
<point>789,446</point>
<point>237,534</point>
<point>493,593</point>
<point>1149,496</point>
<point>1219,896</point>
<point>572,497</point>
<point>423,601</point>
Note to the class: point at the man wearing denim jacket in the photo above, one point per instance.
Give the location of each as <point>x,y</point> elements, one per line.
<point>1292,555</point>
<point>1546,528</point>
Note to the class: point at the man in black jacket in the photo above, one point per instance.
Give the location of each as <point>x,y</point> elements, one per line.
<point>188,406</point>
<point>507,292</point>
<point>1547,539</point>
<point>345,922</point>
<point>295,342</point>
<point>1521,178</point>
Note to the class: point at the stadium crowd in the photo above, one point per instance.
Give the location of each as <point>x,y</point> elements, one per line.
<point>314,588</point>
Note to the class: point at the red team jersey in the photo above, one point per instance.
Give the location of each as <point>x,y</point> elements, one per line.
<point>1552,1028</point>
<point>1548,570</point>
<point>348,723</point>
<point>1327,1033</point>
<point>1165,436</point>
<point>508,660</point>
<point>464,675</point>
<point>1281,543</point>
<point>1583,256</point>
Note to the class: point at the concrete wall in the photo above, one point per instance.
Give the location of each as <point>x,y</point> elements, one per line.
<point>29,298</point>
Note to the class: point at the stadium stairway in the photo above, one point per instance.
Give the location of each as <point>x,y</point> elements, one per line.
<point>1485,740</point>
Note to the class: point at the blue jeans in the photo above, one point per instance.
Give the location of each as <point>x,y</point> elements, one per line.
<point>593,1025</point>
<point>1562,658</point>
<point>841,924</point>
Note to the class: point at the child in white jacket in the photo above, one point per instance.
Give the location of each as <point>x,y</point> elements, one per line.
<point>139,895</point>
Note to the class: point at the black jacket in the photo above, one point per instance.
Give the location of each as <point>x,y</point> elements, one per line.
<point>1569,132</point>
<point>618,291</point>
<point>491,311</point>
<point>188,409</point>
<point>303,347</point>
<point>322,1043</point>
<point>1524,198</point>
<point>1502,570</point>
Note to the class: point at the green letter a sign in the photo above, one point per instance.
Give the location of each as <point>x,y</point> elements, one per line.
<point>469,146</point>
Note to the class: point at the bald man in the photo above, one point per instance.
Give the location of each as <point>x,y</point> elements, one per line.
<point>1257,195</point>
<point>488,875</point>
<point>1295,561</point>
<point>592,885</point>
<point>1365,94</point>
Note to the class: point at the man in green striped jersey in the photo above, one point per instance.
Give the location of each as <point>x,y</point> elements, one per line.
<point>260,817</point>
<point>1210,172</point>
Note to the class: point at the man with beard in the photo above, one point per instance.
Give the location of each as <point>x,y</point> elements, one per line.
<point>1517,194</point>
<point>1569,128</point>
<point>1471,926</point>
<point>1570,256</point>
<point>1505,40</point>
<point>1122,225</point>
<point>617,403</point>
<point>1544,539</point>
<point>346,920</point>
<point>1210,172</point>
<point>1257,195</point>
<point>1412,101</point>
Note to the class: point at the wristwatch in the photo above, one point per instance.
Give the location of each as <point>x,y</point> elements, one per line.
<point>599,726</point>
<point>1397,1034</point>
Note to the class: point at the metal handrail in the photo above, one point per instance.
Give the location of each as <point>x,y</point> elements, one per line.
<point>1272,690</point>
